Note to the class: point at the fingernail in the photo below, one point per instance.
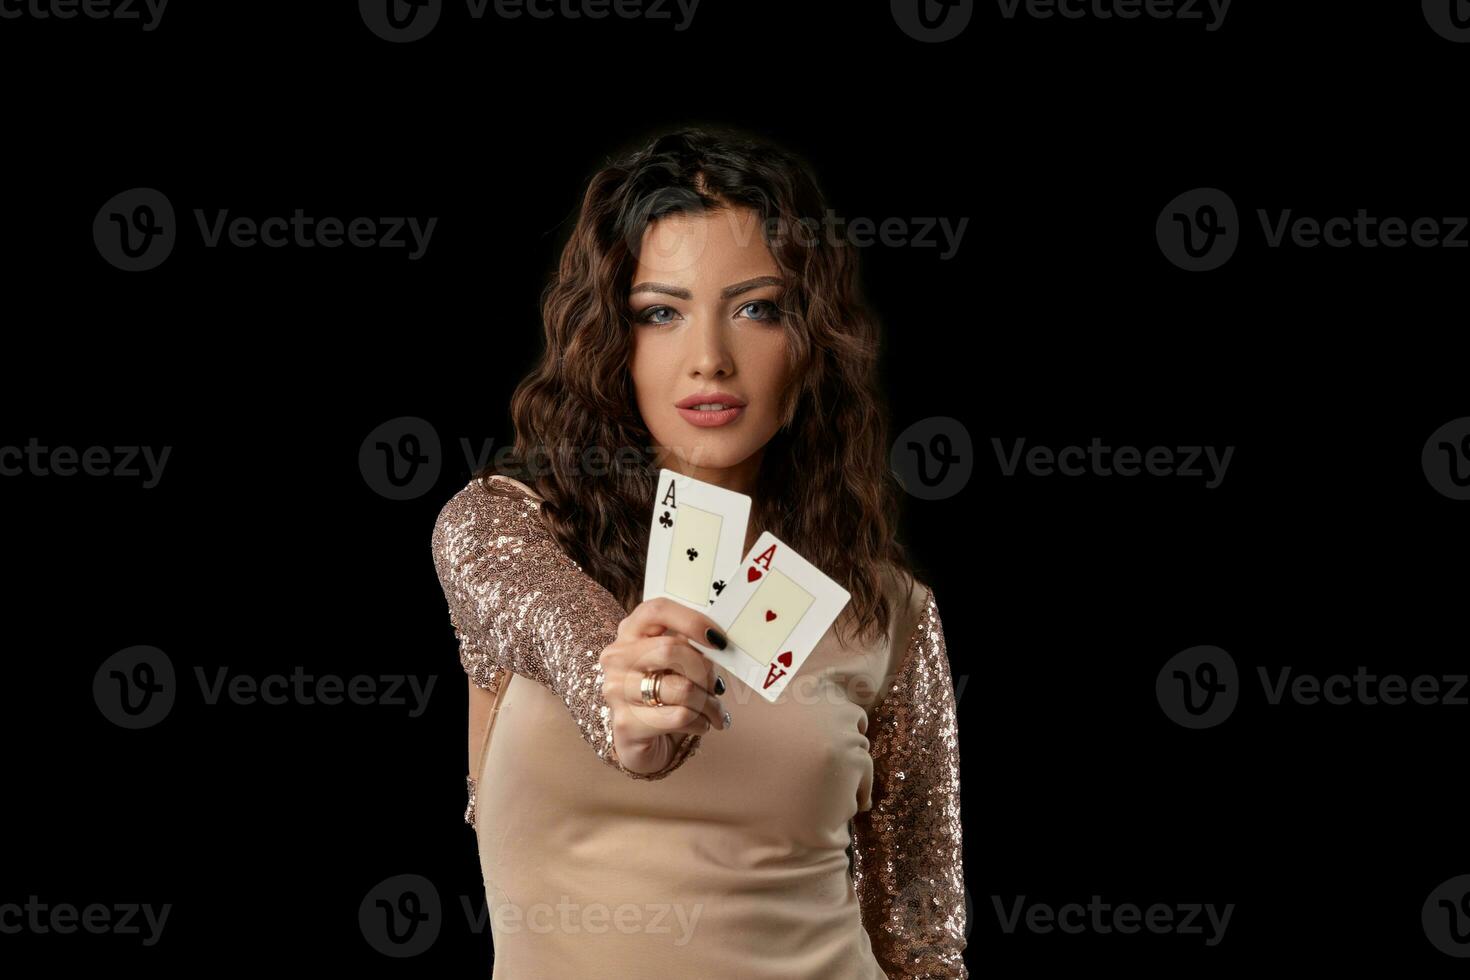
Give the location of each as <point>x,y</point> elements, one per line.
<point>716,638</point>
<point>728,719</point>
<point>719,684</point>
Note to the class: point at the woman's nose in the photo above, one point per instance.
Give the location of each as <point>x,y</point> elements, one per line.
<point>710,347</point>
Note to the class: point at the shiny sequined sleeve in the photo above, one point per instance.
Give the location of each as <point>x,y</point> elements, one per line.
<point>518,602</point>
<point>907,865</point>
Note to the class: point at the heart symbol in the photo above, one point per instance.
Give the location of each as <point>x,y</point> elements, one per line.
<point>770,615</point>
<point>752,573</point>
<point>785,659</point>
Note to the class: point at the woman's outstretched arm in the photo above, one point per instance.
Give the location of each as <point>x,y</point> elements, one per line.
<point>519,603</point>
<point>907,863</point>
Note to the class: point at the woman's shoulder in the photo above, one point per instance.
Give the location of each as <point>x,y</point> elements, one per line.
<point>908,597</point>
<point>490,489</point>
<point>490,504</point>
<point>500,483</point>
<point>911,611</point>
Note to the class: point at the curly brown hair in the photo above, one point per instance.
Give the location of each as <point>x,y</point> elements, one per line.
<point>824,486</point>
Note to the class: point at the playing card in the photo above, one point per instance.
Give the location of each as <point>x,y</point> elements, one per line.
<point>774,613</point>
<point>695,540</point>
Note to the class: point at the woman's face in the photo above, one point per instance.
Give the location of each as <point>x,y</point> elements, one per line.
<point>706,330</point>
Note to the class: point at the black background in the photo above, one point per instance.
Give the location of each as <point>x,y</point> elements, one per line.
<point>1059,319</point>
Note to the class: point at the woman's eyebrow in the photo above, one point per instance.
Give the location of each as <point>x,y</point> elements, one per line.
<point>726,293</point>
<point>748,285</point>
<point>658,287</point>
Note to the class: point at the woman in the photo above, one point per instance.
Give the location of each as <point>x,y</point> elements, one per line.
<point>700,321</point>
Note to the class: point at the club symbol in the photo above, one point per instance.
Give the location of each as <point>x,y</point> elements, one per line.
<point>665,520</point>
<point>692,554</point>
<point>719,588</point>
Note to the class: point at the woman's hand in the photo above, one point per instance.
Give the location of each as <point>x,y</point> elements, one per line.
<point>653,637</point>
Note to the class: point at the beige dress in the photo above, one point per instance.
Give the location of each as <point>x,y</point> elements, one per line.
<point>818,838</point>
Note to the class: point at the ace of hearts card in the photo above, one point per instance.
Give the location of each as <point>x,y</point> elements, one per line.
<point>774,613</point>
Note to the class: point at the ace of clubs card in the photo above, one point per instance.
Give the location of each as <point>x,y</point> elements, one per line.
<point>695,540</point>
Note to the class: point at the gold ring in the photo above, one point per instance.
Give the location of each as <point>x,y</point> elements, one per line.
<point>648,688</point>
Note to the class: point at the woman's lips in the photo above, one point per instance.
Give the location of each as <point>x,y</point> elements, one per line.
<point>708,418</point>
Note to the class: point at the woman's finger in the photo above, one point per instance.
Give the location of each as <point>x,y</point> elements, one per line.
<point>662,615</point>
<point>689,683</point>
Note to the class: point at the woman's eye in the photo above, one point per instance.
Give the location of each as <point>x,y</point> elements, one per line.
<point>771,310</point>
<point>653,314</point>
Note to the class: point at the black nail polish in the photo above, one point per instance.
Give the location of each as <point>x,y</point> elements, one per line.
<point>719,684</point>
<point>715,638</point>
